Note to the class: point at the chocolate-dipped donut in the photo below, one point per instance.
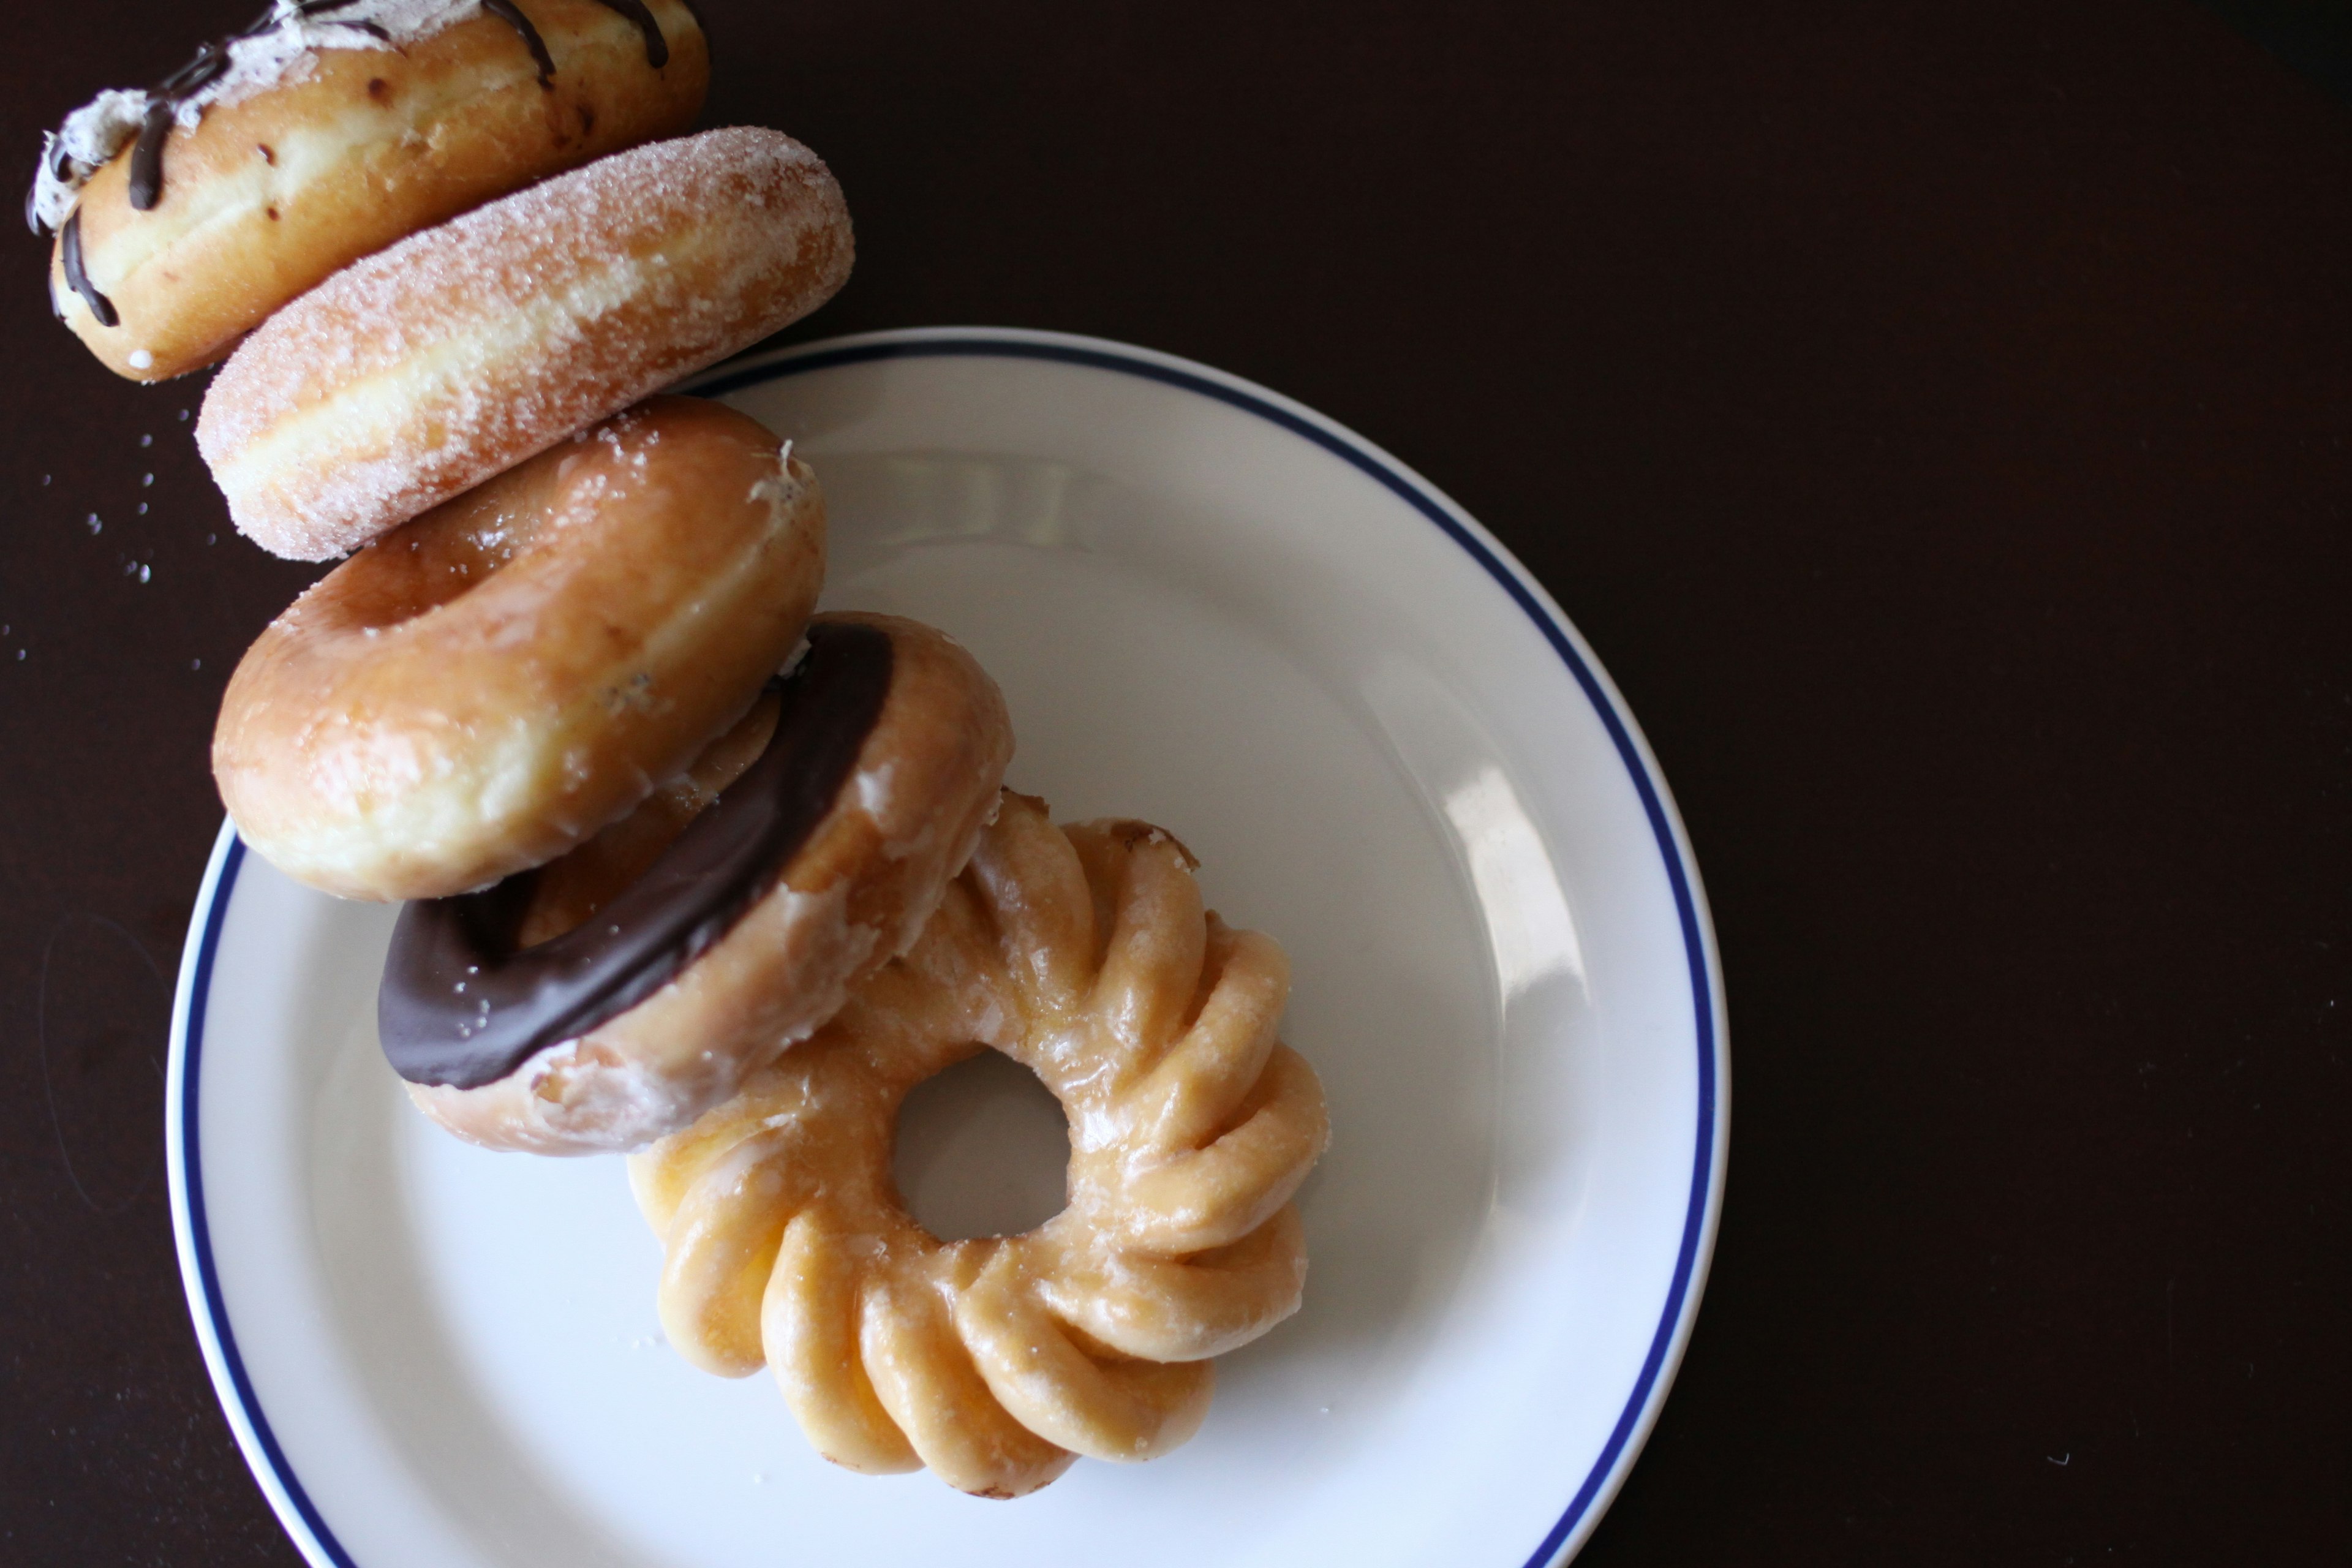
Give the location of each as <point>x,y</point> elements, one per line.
<point>427,368</point>
<point>329,129</point>
<point>485,688</point>
<point>614,996</point>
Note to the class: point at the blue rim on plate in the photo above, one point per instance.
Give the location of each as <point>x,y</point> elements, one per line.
<point>1607,1470</point>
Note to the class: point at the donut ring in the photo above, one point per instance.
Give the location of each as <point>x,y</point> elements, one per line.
<point>1084,954</point>
<point>424,369</point>
<point>485,688</point>
<point>730,945</point>
<point>320,139</point>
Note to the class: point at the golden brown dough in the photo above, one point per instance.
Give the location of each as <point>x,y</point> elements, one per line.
<point>486,687</point>
<point>354,148</point>
<point>1085,955</point>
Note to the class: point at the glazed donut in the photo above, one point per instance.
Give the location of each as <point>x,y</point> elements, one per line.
<point>1084,954</point>
<point>619,993</point>
<point>483,689</point>
<point>427,368</point>
<point>184,216</point>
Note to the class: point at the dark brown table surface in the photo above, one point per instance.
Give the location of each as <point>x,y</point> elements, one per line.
<point>1939,419</point>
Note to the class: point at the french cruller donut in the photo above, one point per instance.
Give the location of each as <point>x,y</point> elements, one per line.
<point>484,688</point>
<point>616,994</point>
<point>1084,954</point>
<point>427,368</point>
<point>326,130</point>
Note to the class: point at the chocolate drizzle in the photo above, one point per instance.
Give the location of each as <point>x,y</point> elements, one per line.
<point>213,60</point>
<point>69,257</point>
<point>656,46</point>
<point>461,1004</point>
<point>147,156</point>
<point>324,7</point>
<point>510,13</point>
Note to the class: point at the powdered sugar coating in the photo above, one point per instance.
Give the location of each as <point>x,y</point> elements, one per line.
<point>427,368</point>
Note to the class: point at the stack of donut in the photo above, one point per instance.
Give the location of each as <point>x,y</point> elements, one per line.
<point>689,869</point>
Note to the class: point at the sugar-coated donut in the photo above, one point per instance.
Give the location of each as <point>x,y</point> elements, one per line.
<point>557,1014</point>
<point>326,132</point>
<point>485,688</point>
<point>1085,955</point>
<point>427,368</point>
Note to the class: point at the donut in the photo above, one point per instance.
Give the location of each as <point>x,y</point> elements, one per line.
<point>325,132</point>
<point>483,689</point>
<point>616,994</point>
<point>1085,955</point>
<point>424,369</point>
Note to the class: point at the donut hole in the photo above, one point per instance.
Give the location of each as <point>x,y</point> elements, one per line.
<point>983,1149</point>
<point>436,559</point>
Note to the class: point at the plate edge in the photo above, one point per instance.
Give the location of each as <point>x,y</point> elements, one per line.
<point>183,1158</point>
<point>1711,1145</point>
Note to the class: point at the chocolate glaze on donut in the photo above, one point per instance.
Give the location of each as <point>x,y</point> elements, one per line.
<point>461,1004</point>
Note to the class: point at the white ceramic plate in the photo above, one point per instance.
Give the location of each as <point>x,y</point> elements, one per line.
<point>1208,607</point>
